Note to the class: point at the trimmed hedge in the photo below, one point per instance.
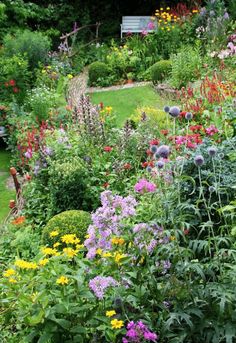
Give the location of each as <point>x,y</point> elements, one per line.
<point>160,70</point>
<point>98,70</point>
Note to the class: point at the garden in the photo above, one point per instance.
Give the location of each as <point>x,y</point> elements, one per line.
<point>117,172</point>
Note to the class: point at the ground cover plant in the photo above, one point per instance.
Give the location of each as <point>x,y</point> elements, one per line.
<point>125,228</point>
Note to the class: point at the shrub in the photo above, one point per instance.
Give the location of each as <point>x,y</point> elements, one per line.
<point>34,45</point>
<point>98,70</point>
<point>186,66</point>
<point>155,117</point>
<point>160,70</point>
<point>68,222</point>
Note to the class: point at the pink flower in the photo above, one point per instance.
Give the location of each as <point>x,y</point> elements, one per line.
<point>151,26</point>
<point>144,186</point>
<point>211,130</point>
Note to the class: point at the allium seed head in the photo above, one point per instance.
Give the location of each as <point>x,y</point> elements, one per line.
<point>211,189</point>
<point>174,111</point>
<point>163,151</point>
<point>166,109</point>
<point>149,169</point>
<point>160,164</point>
<point>212,151</point>
<point>153,149</point>
<point>199,160</point>
<point>189,116</point>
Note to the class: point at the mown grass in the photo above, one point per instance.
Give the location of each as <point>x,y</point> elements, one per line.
<point>5,194</point>
<point>125,101</point>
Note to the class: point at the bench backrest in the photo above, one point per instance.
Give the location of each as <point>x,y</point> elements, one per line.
<point>136,23</point>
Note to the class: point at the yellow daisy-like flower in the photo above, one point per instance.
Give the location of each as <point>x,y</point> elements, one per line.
<point>117,240</point>
<point>43,262</point>
<point>12,280</point>
<point>108,109</point>
<point>79,246</point>
<point>54,233</point>
<point>167,8</point>
<point>76,240</point>
<point>118,257</point>
<point>106,254</point>
<point>62,280</point>
<point>110,313</point>
<point>70,76</point>
<point>25,265</point>
<point>55,245</point>
<point>117,324</point>
<point>9,272</point>
<point>69,252</point>
<point>49,251</point>
<point>69,238</point>
<point>161,8</point>
<point>87,236</point>
<point>99,251</point>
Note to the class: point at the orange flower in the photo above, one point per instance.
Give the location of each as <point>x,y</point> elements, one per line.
<point>18,220</point>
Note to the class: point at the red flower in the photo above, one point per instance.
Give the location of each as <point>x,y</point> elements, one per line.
<point>6,84</point>
<point>16,90</point>
<point>105,185</point>
<point>127,166</point>
<point>151,164</point>
<point>165,132</point>
<point>12,82</point>
<point>149,152</point>
<point>154,142</point>
<point>144,164</point>
<point>186,232</point>
<point>182,114</point>
<point>107,148</point>
<point>101,105</point>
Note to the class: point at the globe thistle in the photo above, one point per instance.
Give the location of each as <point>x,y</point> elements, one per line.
<point>211,189</point>
<point>160,164</point>
<point>174,111</point>
<point>212,151</point>
<point>163,151</point>
<point>199,160</point>
<point>149,169</point>
<point>166,109</point>
<point>221,155</point>
<point>153,149</point>
<point>189,116</point>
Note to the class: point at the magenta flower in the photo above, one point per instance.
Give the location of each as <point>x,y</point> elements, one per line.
<point>29,153</point>
<point>144,186</point>
<point>138,332</point>
<point>211,130</point>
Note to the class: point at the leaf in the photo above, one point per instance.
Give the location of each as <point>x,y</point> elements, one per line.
<point>35,319</point>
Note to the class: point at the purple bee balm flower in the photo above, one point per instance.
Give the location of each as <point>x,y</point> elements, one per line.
<point>166,109</point>
<point>212,151</point>
<point>163,151</point>
<point>138,332</point>
<point>189,116</point>
<point>144,186</point>
<point>174,111</point>
<point>150,336</point>
<point>199,160</point>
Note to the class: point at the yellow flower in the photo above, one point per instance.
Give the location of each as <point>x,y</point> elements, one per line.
<point>172,238</point>
<point>69,238</point>
<point>43,262</point>
<point>54,233</point>
<point>70,76</point>
<point>9,272</point>
<point>49,251</point>
<point>76,241</point>
<point>168,8</point>
<point>79,246</point>
<point>62,280</point>
<point>110,313</point>
<point>25,265</point>
<point>99,251</point>
<point>117,324</point>
<point>117,240</point>
<point>87,236</point>
<point>12,280</point>
<point>69,252</point>
<point>118,257</point>
<point>194,11</point>
<point>161,8</point>
<point>108,109</point>
<point>55,245</point>
<point>106,254</point>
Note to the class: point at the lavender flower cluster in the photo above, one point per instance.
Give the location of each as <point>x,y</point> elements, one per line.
<point>107,221</point>
<point>148,236</point>
<point>99,284</point>
<point>138,332</point>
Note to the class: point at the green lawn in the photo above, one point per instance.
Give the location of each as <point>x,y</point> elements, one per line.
<point>125,101</point>
<point>5,194</point>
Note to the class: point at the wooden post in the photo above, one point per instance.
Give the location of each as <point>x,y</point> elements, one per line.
<point>16,182</point>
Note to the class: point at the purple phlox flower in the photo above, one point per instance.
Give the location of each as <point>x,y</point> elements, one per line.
<point>99,284</point>
<point>174,111</point>
<point>199,160</point>
<point>143,186</point>
<point>48,151</point>
<point>226,16</point>
<point>29,153</point>
<point>163,151</point>
<point>151,25</point>
<point>138,332</point>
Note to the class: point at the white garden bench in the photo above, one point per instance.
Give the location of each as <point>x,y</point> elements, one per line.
<point>135,24</point>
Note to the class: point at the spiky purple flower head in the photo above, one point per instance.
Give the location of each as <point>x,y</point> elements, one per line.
<point>163,151</point>
<point>174,111</point>
<point>160,164</point>
<point>149,169</point>
<point>188,116</point>
<point>212,151</point>
<point>199,160</point>
<point>166,109</point>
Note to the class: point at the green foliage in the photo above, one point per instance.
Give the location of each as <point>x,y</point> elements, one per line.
<point>98,71</point>
<point>160,70</point>
<point>68,222</point>
<point>34,46</point>
<point>14,78</point>
<point>186,66</point>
